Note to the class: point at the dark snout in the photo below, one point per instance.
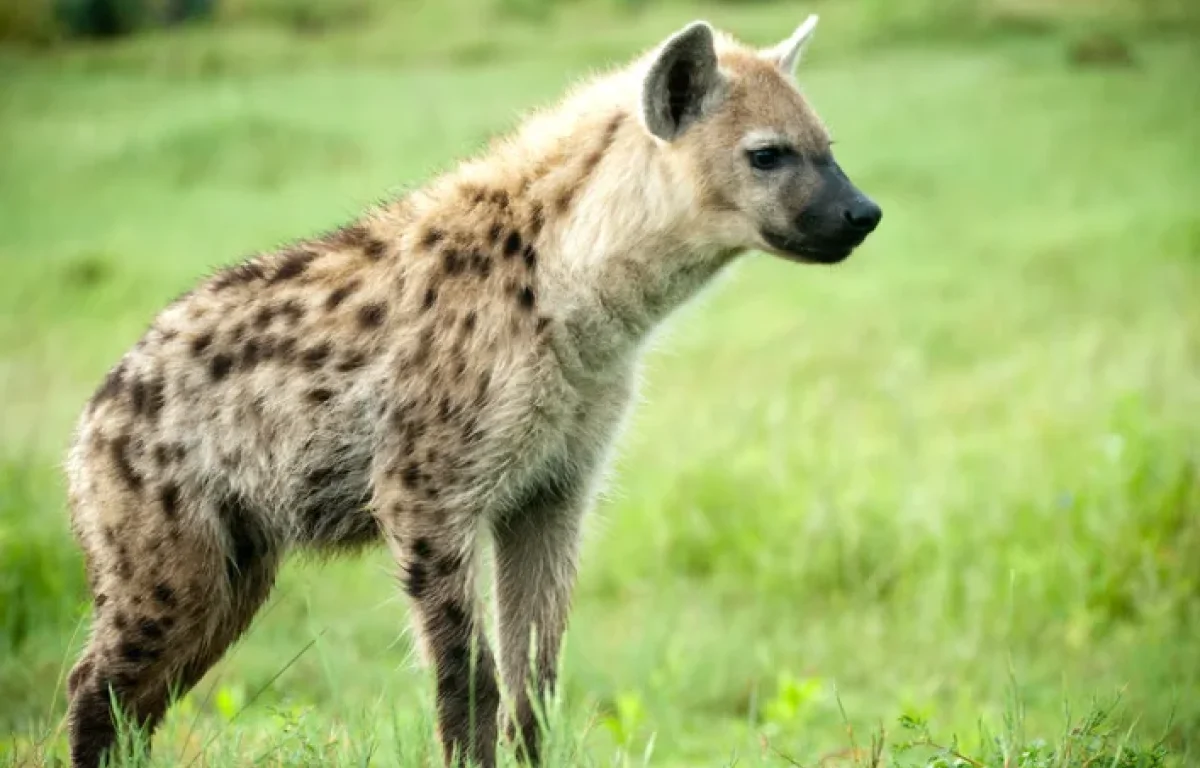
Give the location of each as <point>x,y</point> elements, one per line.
<point>833,222</point>
<point>839,217</point>
<point>862,215</point>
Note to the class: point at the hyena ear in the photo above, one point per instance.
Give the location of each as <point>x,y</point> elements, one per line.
<point>787,54</point>
<point>680,82</point>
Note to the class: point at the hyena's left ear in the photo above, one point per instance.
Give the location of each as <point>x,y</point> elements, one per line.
<point>681,81</point>
<point>787,54</point>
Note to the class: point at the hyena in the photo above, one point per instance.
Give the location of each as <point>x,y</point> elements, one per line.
<point>453,364</point>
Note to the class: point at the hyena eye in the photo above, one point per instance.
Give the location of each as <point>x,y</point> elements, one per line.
<point>767,158</point>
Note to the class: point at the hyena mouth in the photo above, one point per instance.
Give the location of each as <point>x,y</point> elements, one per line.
<point>797,249</point>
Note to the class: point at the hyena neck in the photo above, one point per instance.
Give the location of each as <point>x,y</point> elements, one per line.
<point>622,254</point>
<point>612,219</point>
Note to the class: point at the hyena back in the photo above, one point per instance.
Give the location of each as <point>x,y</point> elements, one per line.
<point>454,362</point>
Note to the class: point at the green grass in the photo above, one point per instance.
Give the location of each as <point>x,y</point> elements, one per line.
<point>956,478</point>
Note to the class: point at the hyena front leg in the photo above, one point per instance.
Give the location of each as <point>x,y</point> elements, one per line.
<point>435,549</point>
<point>536,548</point>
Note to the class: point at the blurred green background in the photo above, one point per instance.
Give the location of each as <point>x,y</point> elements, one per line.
<point>955,479</point>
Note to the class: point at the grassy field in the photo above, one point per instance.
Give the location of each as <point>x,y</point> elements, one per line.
<point>955,479</point>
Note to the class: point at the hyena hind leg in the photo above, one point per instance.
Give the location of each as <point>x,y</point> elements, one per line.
<point>157,630</point>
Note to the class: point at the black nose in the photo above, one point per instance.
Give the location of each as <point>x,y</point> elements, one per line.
<point>863,215</point>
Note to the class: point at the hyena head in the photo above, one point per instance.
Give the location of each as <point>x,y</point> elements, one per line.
<point>735,119</point>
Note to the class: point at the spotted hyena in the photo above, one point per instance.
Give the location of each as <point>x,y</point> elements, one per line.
<point>457,360</point>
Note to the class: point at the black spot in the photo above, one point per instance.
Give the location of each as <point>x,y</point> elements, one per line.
<point>239,274</point>
<point>512,244</point>
<point>164,595</point>
<point>610,131</point>
<point>452,262</point>
<point>454,615</point>
<point>374,249</point>
<point>292,310</point>
<point>530,257</point>
<point>168,496</point>
<point>156,397</point>
<point>349,236</point>
<point>120,456</point>
<point>320,396</point>
<point>422,549</point>
<point>251,354</point>
<point>264,316</point>
<point>542,324</point>
<point>119,621</point>
<point>526,298</point>
<point>101,599</point>
<point>469,321</point>
<point>314,357</point>
<point>220,366</point>
<point>411,476</point>
<point>430,299</point>
<point>201,343</point>
<point>537,218</point>
<point>111,387</point>
<point>424,347</point>
<point>432,237</point>
<point>500,198</point>
<point>137,394</point>
<point>339,294</point>
<point>415,580</point>
<point>563,201</point>
<point>351,362</point>
<point>147,397</point>
<point>231,460</point>
<point>319,478</point>
<point>482,265</point>
<point>371,315</point>
<point>448,565</point>
<point>136,653</point>
<point>151,629</point>
<point>292,265</point>
<point>236,333</point>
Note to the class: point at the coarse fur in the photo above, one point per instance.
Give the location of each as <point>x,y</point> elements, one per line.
<point>455,361</point>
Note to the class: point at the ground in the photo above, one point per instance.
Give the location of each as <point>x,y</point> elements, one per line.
<point>956,477</point>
